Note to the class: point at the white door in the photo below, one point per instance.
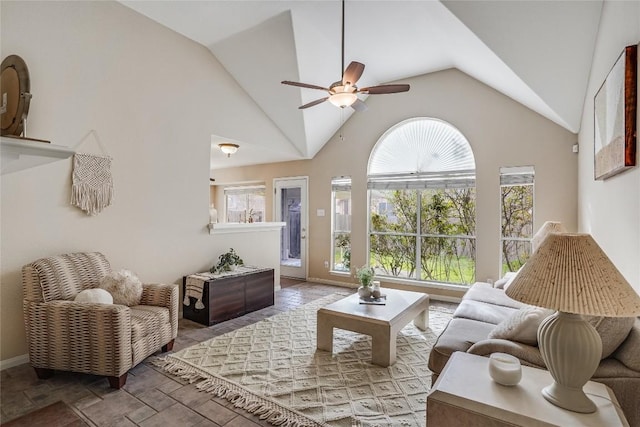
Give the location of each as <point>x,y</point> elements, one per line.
<point>291,208</point>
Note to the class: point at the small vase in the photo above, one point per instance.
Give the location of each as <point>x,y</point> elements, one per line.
<point>364,291</point>
<point>213,215</point>
<point>375,289</point>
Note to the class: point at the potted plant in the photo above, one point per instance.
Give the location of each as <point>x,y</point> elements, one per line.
<point>365,277</point>
<point>228,261</point>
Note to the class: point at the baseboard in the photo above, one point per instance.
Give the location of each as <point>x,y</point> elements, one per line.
<point>14,361</point>
<point>332,282</point>
<point>432,296</point>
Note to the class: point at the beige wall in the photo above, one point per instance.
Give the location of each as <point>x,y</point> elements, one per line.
<point>610,209</point>
<point>154,99</point>
<point>500,131</point>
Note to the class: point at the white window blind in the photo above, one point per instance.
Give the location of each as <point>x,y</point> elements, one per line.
<point>418,181</point>
<point>518,175</point>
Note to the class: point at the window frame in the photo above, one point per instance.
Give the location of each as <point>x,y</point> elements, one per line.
<point>446,161</point>
<point>511,176</point>
<point>341,183</point>
<point>248,190</point>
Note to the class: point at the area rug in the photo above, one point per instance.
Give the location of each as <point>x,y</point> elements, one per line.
<point>273,370</point>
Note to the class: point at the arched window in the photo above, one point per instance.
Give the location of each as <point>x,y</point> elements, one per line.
<point>422,199</point>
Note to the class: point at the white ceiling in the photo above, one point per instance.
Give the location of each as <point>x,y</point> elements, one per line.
<point>536,52</point>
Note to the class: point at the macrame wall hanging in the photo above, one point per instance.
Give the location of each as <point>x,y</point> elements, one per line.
<point>92,184</point>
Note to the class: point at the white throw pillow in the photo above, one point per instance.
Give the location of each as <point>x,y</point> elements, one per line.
<point>512,276</point>
<point>522,325</point>
<point>500,283</point>
<point>94,295</point>
<point>124,286</point>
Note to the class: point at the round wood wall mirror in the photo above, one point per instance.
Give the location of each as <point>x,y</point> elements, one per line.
<point>15,88</point>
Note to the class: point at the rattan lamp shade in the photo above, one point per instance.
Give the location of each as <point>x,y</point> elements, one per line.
<point>546,229</point>
<point>571,273</point>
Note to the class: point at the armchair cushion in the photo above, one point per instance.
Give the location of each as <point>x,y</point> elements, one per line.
<point>124,286</point>
<point>62,277</point>
<point>147,320</point>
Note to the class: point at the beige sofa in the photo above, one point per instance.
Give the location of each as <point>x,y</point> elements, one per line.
<point>484,307</point>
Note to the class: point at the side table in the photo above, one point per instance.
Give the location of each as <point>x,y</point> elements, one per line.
<point>465,395</point>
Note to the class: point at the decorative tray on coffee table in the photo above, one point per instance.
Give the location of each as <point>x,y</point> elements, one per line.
<point>382,300</point>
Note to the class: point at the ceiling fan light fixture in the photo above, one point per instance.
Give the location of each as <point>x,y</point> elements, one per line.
<point>228,148</point>
<point>343,99</point>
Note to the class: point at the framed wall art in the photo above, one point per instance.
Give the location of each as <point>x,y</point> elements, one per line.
<point>615,106</point>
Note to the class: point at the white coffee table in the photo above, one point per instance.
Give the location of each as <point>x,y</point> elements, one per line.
<point>381,322</point>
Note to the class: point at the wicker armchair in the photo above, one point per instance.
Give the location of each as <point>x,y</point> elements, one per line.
<point>99,339</point>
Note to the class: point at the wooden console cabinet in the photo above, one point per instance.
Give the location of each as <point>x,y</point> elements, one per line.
<point>231,296</point>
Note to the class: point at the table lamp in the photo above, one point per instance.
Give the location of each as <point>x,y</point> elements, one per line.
<point>571,274</point>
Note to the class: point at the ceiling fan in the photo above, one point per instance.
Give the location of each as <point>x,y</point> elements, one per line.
<point>343,93</point>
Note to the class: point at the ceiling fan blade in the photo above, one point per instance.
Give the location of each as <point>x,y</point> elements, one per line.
<point>382,89</point>
<point>305,85</point>
<point>312,103</point>
<point>352,73</point>
<point>359,106</point>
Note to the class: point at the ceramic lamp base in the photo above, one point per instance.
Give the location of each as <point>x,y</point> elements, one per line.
<point>572,399</point>
<point>571,349</point>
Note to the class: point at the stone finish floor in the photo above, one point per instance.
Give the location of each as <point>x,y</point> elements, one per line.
<point>150,397</point>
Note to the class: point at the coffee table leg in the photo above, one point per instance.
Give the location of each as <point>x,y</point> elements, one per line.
<point>422,320</point>
<point>383,348</point>
<point>324,333</point>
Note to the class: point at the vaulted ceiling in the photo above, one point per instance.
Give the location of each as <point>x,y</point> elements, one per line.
<point>536,52</point>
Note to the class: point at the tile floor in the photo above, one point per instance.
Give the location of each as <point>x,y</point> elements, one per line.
<point>150,397</point>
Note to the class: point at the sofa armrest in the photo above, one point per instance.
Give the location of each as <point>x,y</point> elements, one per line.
<point>80,337</point>
<point>528,355</point>
<point>163,295</point>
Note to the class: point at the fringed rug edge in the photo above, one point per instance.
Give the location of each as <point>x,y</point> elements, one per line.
<point>239,396</point>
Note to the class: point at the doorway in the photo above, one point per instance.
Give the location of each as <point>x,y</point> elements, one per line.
<point>291,208</point>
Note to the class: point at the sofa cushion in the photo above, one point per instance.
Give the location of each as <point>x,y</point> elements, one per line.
<point>483,292</point>
<point>612,331</point>
<point>483,312</point>
<point>459,335</point>
<point>521,325</point>
<point>147,320</point>
<point>612,368</point>
<point>629,350</point>
<point>505,279</point>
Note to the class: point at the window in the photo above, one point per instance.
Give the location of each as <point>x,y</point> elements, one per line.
<point>421,182</point>
<point>341,224</point>
<point>244,204</point>
<point>516,215</point>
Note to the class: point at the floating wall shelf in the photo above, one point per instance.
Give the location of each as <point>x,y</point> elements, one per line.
<point>22,153</point>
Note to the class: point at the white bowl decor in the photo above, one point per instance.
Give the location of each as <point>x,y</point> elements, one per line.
<point>505,369</point>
